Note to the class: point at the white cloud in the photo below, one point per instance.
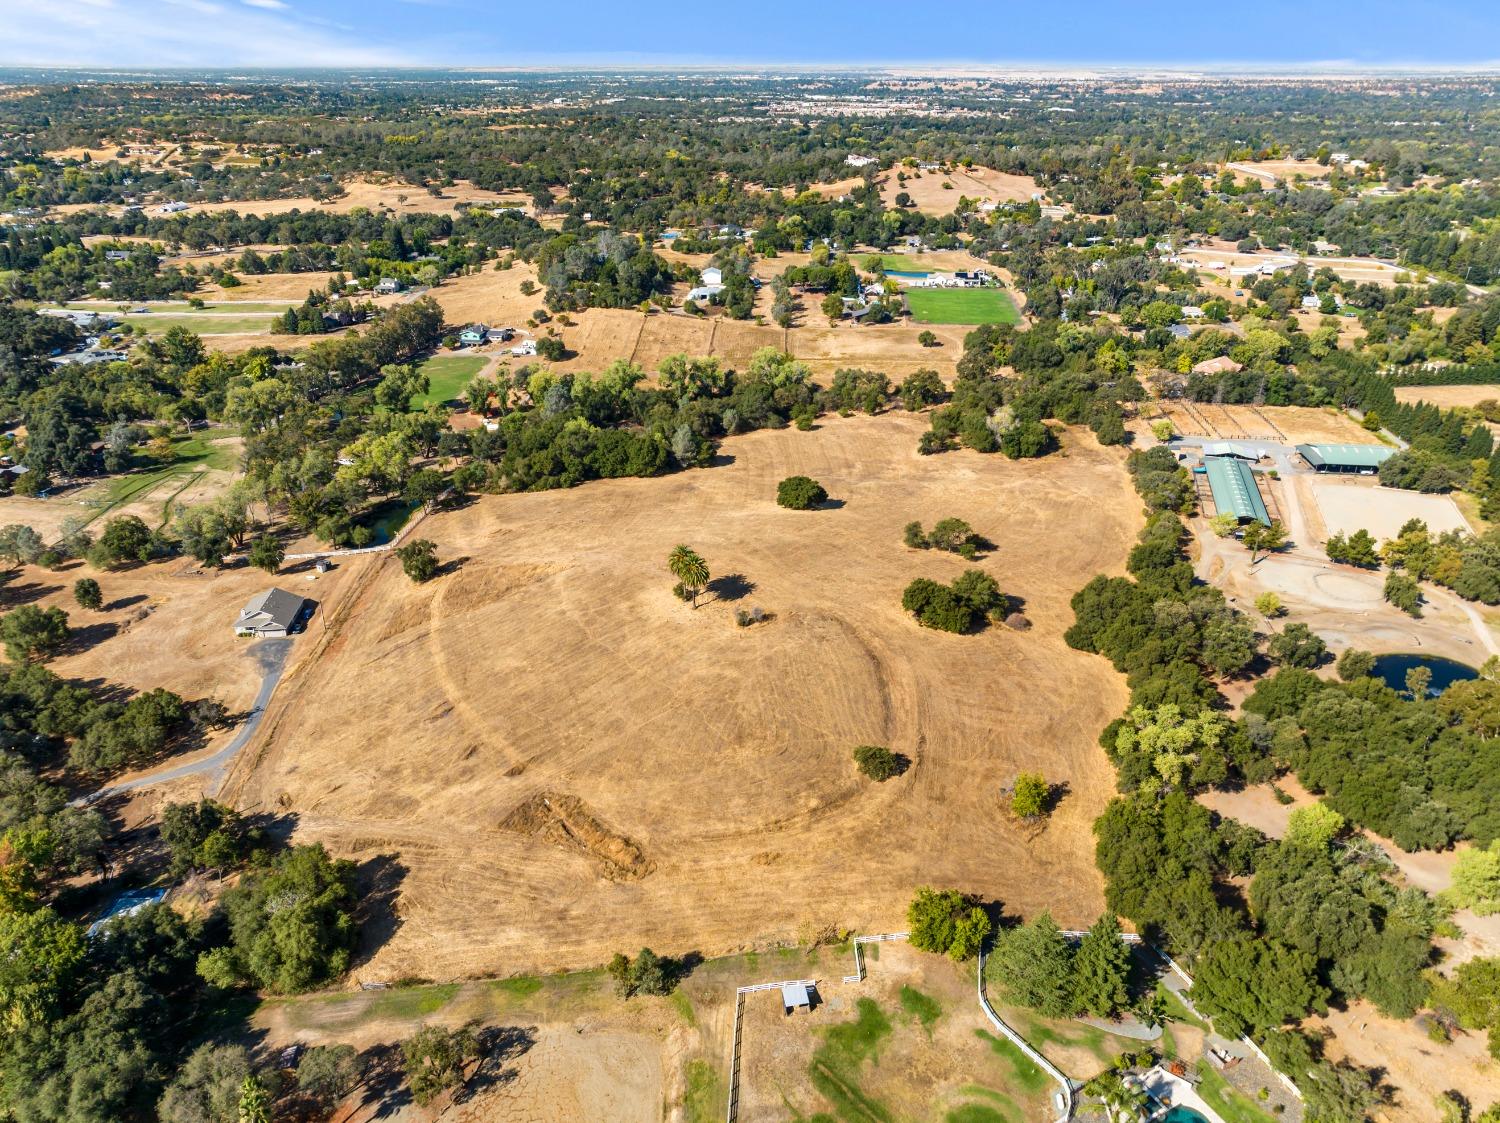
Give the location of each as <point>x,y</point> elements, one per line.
<point>178,33</point>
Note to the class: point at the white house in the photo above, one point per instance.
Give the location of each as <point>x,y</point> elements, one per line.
<point>1192,312</point>
<point>171,208</point>
<point>855,160</point>
<point>712,276</point>
<point>388,285</point>
<point>704,293</point>
<point>1311,302</point>
<point>526,347</point>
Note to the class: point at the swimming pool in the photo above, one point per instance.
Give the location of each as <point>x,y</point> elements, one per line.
<point>1180,1114</point>
<point>907,274</point>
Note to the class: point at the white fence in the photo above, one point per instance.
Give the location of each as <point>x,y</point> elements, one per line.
<point>859,959</point>
<point>1064,1084</point>
<point>733,1111</point>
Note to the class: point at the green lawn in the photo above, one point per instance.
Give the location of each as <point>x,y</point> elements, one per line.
<point>447,376</point>
<point>193,454</point>
<point>1027,1075</point>
<point>269,307</point>
<point>1232,1105</point>
<point>961,306</point>
<point>156,323</point>
<point>905,263</point>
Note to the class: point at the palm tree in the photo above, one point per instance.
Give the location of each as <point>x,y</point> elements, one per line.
<point>1122,1100</point>
<point>688,568</point>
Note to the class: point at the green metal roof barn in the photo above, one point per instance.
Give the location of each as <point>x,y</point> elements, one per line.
<point>1235,490</point>
<point>1345,458</point>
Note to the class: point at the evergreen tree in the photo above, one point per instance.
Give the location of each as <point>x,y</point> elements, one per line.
<point>1033,965</point>
<point>1101,969</point>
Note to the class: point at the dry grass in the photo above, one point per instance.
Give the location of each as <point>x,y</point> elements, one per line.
<point>1414,1066</point>
<point>1283,424</point>
<point>1281,169</point>
<point>556,662</point>
<point>984,184</point>
<point>398,198</point>
<point>1448,397</point>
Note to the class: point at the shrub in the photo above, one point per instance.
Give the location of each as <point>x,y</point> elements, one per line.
<point>86,592</point>
<point>877,762</point>
<point>419,560</point>
<point>800,493</point>
<point>647,973</point>
<point>434,1060</point>
<point>947,922</point>
<point>935,606</point>
<point>913,537</point>
<point>1029,799</point>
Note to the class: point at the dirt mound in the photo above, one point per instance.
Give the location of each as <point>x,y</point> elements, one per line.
<point>564,821</point>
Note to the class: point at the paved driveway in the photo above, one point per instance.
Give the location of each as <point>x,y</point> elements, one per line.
<point>270,655</point>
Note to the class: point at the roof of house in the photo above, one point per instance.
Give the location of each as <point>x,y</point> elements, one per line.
<point>277,605</point>
<point>126,904</point>
<point>1234,489</point>
<point>1218,365</point>
<point>1345,456</point>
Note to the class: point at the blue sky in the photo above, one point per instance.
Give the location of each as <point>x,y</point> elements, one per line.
<point>230,33</point>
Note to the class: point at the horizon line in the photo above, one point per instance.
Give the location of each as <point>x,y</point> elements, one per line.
<point>935,67</point>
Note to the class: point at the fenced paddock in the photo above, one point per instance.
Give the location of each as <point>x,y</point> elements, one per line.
<point>1350,506</point>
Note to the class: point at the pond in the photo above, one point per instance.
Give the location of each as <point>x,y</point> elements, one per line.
<point>387,520</point>
<point>1391,669</point>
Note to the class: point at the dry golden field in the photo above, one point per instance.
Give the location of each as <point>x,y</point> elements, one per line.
<point>1282,424</point>
<point>568,760</point>
<point>399,198</point>
<point>1448,397</point>
<point>929,196</point>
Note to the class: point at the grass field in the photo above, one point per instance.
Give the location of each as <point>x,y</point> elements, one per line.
<point>447,376</point>
<point>908,262</point>
<point>269,307</point>
<point>962,306</point>
<point>155,323</point>
<point>550,788</point>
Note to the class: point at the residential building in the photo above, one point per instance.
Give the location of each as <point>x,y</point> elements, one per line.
<point>273,613</point>
<point>1222,365</point>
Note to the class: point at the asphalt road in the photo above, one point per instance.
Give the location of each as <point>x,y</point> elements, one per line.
<point>271,655</point>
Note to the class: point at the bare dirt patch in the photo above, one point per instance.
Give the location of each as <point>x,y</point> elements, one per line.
<point>1417,1068</point>
<point>1349,506</point>
<point>723,753</point>
<point>1281,424</point>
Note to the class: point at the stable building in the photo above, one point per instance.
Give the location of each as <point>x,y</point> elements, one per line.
<point>1364,459</point>
<point>1234,490</point>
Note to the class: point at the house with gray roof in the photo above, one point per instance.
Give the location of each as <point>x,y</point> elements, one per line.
<point>273,613</point>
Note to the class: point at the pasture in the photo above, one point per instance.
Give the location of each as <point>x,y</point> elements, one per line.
<point>638,772</point>
<point>962,306</point>
<point>447,375</point>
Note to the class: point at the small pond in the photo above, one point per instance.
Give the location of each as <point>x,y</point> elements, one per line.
<point>1391,669</point>
<point>388,518</point>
